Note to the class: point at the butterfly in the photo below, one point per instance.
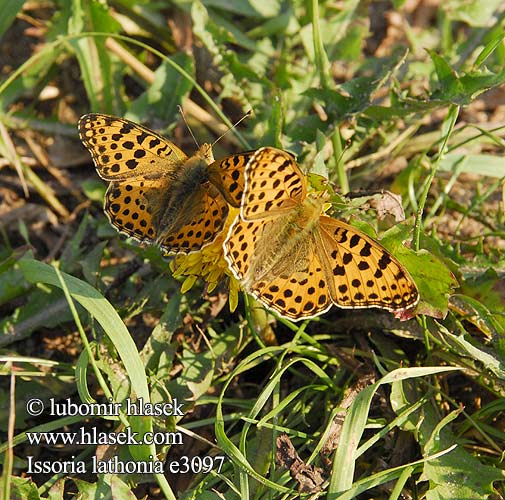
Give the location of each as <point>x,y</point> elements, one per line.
<point>157,193</point>
<point>297,261</point>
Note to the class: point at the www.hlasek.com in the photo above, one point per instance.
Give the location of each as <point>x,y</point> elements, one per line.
<point>95,437</point>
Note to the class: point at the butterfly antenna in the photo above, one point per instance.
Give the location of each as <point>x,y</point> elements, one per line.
<point>248,113</point>
<point>187,125</point>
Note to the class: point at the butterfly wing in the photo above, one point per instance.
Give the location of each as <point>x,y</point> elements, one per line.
<point>133,207</point>
<point>123,150</point>
<point>240,248</point>
<point>227,175</point>
<point>274,184</point>
<point>360,271</point>
<point>270,247</point>
<point>288,279</point>
<point>295,260</point>
<point>196,223</point>
<point>128,211</point>
<point>157,193</point>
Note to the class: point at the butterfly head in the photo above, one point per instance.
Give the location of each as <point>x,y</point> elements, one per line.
<point>205,153</point>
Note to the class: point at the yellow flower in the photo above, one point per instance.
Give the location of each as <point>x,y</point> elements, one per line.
<point>208,264</point>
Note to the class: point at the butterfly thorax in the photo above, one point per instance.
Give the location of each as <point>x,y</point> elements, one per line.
<point>183,198</point>
<point>309,211</point>
<point>289,242</point>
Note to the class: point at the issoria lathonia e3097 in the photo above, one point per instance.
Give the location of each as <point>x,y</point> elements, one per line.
<point>297,261</point>
<point>157,193</point>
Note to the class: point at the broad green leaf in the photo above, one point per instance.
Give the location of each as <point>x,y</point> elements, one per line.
<point>456,474</point>
<point>355,96</point>
<point>43,307</point>
<point>464,347</point>
<point>462,89</point>
<point>11,284</point>
<point>23,488</point>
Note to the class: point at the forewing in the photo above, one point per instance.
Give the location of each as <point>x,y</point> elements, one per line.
<point>227,175</point>
<point>123,150</point>
<point>274,184</point>
<point>240,245</point>
<point>361,272</point>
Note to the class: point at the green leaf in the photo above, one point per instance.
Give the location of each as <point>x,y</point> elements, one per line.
<point>98,71</point>
<point>344,461</point>
<point>118,488</point>
<point>473,12</point>
<point>402,107</point>
<point>23,488</point>
<point>355,96</point>
<point>216,37</point>
<point>88,490</point>
<point>490,360</point>
<point>30,75</point>
<point>433,279</point>
<point>169,88</point>
<point>247,8</point>
<point>341,30</point>
<point>8,13</point>
<point>11,283</point>
<point>489,49</point>
<point>462,89</point>
<point>57,490</point>
<point>275,121</point>
<point>485,297</point>
<point>479,164</point>
<point>456,474</point>
<point>94,189</point>
<point>447,77</point>
<point>42,308</point>
<point>105,314</point>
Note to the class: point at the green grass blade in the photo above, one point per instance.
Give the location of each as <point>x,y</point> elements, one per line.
<point>355,421</point>
<point>114,327</point>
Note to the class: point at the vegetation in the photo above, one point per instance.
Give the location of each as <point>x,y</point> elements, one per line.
<point>373,98</point>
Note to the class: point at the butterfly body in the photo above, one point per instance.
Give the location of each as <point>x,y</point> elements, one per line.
<point>157,193</point>
<point>184,197</point>
<point>298,261</point>
<point>286,237</point>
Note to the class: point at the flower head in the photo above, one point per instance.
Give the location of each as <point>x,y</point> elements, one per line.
<point>209,264</point>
